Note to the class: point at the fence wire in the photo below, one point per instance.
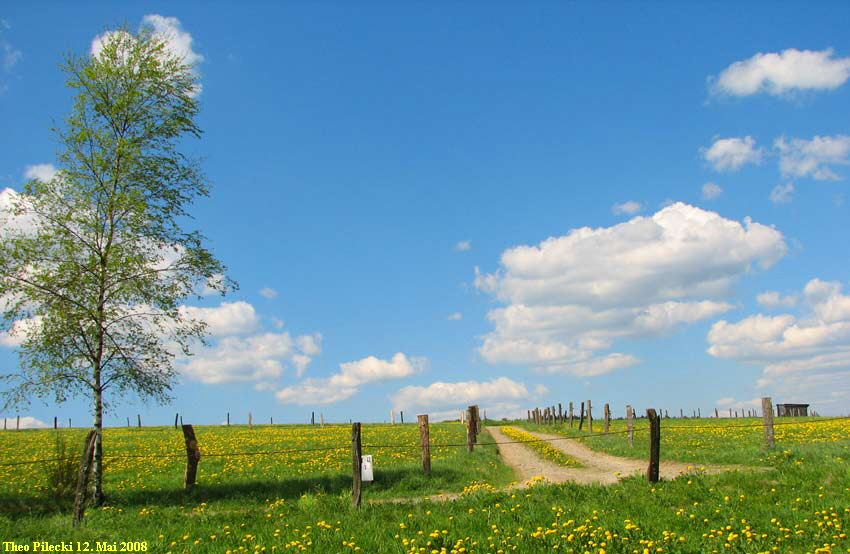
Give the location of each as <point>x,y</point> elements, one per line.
<point>589,435</point>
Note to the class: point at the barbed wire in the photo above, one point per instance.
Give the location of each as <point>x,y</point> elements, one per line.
<point>432,446</point>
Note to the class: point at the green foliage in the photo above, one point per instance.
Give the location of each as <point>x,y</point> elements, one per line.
<point>61,474</point>
<point>94,274</point>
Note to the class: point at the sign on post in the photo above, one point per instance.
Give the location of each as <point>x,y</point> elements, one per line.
<point>366,473</point>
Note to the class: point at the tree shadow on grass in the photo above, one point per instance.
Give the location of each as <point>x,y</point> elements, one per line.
<point>405,482</point>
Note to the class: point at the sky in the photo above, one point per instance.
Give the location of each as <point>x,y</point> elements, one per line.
<point>432,205</point>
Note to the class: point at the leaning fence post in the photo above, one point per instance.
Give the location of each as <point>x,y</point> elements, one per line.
<point>767,411</point>
<point>356,461</point>
<point>193,456</point>
<point>425,442</point>
<point>630,424</point>
<point>654,445</point>
<point>83,474</point>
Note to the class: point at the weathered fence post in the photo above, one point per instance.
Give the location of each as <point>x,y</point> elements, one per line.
<point>83,474</point>
<point>699,414</point>
<point>312,418</point>
<point>18,424</point>
<point>589,417</point>
<point>228,419</point>
<point>176,417</point>
<point>654,445</point>
<point>560,413</point>
<point>138,421</point>
<point>571,415</point>
<point>392,417</point>
<point>767,412</point>
<point>607,418</point>
<point>581,417</point>
<point>630,424</point>
<point>401,416</point>
<point>356,461</point>
<point>193,456</point>
<point>716,415</point>
<point>470,429</point>
<point>128,422</point>
<point>425,442</point>
<point>250,420</point>
<point>322,419</point>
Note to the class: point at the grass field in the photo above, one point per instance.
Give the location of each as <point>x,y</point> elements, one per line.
<point>302,503</point>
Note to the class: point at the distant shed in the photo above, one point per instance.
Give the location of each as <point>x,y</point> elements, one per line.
<point>792,410</point>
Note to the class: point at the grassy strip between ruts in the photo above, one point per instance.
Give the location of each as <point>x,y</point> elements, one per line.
<point>544,449</point>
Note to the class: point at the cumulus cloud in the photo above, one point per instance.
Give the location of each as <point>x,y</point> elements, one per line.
<point>268,292</point>
<point>730,154</point>
<point>41,172</point>
<point>782,194</point>
<point>178,41</point>
<point>809,347</point>
<point>570,298</point>
<point>710,191</point>
<point>351,376</point>
<point>813,158</point>
<point>772,299</point>
<point>228,318</point>
<point>781,73</point>
<point>254,358</point>
<point>626,208</point>
<point>27,422</point>
<point>463,246</point>
<point>457,316</point>
<point>442,396</point>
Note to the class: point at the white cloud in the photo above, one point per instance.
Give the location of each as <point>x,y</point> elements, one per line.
<point>260,357</point>
<point>42,172</point>
<point>212,285</point>
<point>18,331</point>
<point>807,348</point>
<point>463,246</point>
<point>442,396</point>
<point>457,316</point>
<point>267,292</point>
<point>813,158</point>
<point>730,154</point>
<point>178,42</point>
<point>772,299</point>
<point>778,74</point>
<point>27,422</point>
<point>9,56</point>
<point>352,375</point>
<point>571,297</point>
<point>710,191</point>
<point>626,208</point>
<point>782,194</point>
<point>228,318</point>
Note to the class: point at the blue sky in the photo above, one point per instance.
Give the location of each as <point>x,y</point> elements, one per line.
<point>433,205</point>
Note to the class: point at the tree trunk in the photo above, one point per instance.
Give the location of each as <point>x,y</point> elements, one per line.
<point>97,465</point>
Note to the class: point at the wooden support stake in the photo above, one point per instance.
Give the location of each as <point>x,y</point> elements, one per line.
<point>138,420</point>
<point>250,420</point>
<point>560,413</point>
<point>607,418</point>
<point>18,424</point>
<point>630,424</point>
<point>654,445</point>
<point>193,456</point>
<point>581,417</point>
<point>767,411</point>
<point>55,422</point>
<point>228,419</point>
<point>312,418</point>
<point>681,414</point>
<point>322,418</point>
<point>392,417</point>
<point>589,417</point>
<point>571,415</point>
<point>83,475</point>
<point>425,442</point>
<point>356,461</point>
<point>401,415</point>
<point>470,430</point>
<point>128,422</point>
<point>716,415</point>
<point>176,417</point>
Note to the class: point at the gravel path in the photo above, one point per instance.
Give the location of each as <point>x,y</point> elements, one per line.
<point>598,466</point>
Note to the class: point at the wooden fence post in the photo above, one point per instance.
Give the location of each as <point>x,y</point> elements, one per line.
<point>392,417</point>
<point>716,415</point>
<point>312,418</point>
<point>470,429</point>
<point>571,415</point>
<point>128,422</point>
<point>767,414</point>
<point>138,421</point>
<point>228,419</point>
<point>322,418</point>
<point>589,417</point>
<point>83,474</point>
<point>18,424</point>
<point>356,461</point>
<point>401,416</point>
<point>250,420</point>
<point>176,417</point>
<point>560,413</point>
<point>607,418</point>
<point>581,417</point>
<point>425,442</point>
<point>654,445</point>
<point>630,424</point>
<point>193,456</point>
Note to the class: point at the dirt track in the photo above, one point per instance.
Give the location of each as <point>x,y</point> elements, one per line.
<point>598,467</point>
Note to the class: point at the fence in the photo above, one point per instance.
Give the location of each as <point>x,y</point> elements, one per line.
<point>473,427</point>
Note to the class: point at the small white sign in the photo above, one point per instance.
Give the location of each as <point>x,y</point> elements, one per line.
<point>366,468</point>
